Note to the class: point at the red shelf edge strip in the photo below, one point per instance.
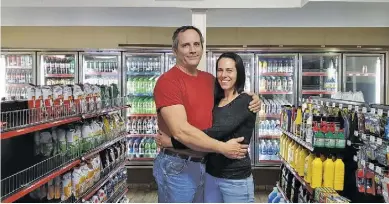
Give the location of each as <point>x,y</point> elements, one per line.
<point>14,133</point>
<point>40,182</point>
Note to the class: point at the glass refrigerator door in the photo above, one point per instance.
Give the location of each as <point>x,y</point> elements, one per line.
<point>58,68</point>
<point>101,69</point>
<point>17,71</point>
<point>170,61</point>
<point>364,73</point>
<point>319,75</point>
<point>143,70</point>
<point>276,77</point>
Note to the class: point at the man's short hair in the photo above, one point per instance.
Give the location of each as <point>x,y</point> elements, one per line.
<point>183,29</point>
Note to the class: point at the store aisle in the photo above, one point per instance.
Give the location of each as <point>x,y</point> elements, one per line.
<point>147,195</point>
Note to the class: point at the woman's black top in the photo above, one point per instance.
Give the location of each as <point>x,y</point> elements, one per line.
<point>230,121</point>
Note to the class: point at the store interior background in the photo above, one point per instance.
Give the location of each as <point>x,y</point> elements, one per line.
<point>86,25</point>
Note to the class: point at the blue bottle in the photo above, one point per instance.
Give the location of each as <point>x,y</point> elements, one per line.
<point>272,195</point>
<point>277,198</point>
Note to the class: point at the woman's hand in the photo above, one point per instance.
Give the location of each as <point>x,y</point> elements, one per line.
<point>163,140</point>
<point>255,104</point>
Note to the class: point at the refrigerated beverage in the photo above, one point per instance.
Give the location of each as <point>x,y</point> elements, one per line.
<point>142,147</point>
<point>279,84</point>
<point>284,84</point>
<point>153,148</point>
<point>136,148</point>
<point>274,84</point>
<point>290,84</point>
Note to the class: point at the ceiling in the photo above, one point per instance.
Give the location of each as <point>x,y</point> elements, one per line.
<point>312,14</point>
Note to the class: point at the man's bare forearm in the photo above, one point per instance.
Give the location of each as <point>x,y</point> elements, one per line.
<point>197,139</point>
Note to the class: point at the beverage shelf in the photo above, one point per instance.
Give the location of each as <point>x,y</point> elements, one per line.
<point>315,74</point>
<point>60,75</point>
<point>269,115</point>
<point>29,187</point>
<point>299,178</point>
<point>318,92</point>
<point>121,195</point>
<point>131,73</point>
<point>270,161</point>
<point>296,139</point>
<point>275,74</point>
<point>268,136</point>
<point>21,130</point>
<point>142,115</point>
<point>18,67</point>
<point>142,159</point>
<point>360,74</point>
<point>141,95</point>
<point>282,193</point>
<point>101,74</point>
<point>142,135</point>
<point>275,92</point>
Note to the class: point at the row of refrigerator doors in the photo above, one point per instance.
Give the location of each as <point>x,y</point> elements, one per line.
<point>279,78</point>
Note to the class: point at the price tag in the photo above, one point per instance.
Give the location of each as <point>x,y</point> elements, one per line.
<point>327,103</point>
<point>363,136</point>
<point>380,112</point>
<point>363,163</point>
<point>372,139</point>
<point>364,110</point>
<point>356,133</point>
<point>340,106</point>
<point>378,170</point>
<point>355,158</point>
<point>371,166</point>
<point>379,141</point>
<point>348,143</point>
<point>350,107</point>
<point>333,105</point>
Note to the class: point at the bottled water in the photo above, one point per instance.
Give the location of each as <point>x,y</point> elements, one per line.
<point>264,150</point>
<point>270,150</point>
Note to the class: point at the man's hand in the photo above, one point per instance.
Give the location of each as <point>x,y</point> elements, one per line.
<point>163,140</point>
<point>255,104</point>
<point>233,149</point>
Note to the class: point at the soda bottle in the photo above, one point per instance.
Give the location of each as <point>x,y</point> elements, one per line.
<point>153,148</point>
<point>280,67</point>
<point>144,125</point>
<point>130,147</point>
<point>147,147</point>
<point>284,84</point>
<point>274,84</point>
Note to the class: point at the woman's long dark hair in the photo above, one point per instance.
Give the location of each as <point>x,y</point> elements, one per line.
<point>240,76</point>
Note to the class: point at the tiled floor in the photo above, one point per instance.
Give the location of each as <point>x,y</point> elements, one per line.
<point>149,195</point>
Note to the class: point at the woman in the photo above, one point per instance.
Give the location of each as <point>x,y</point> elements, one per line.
<point>227,180</point>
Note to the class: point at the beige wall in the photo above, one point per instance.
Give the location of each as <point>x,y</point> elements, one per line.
<point>110,37</point>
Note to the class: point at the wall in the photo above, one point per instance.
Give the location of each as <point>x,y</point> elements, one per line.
<point>110,37</point>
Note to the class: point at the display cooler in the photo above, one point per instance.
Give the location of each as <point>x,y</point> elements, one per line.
<point>57,68</point>
<point>17,71</point>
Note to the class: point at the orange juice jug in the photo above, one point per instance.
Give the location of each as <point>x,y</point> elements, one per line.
<point>328,173</point>
<point>302,155</point>
<point>308,168</point>
<point>296,157</point>
<point>339,175</point>
<point>317,172</point>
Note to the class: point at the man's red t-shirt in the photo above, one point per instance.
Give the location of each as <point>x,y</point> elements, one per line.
<point>195,93</point>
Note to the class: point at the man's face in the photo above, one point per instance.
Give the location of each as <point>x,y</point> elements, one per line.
<point>189,50</point>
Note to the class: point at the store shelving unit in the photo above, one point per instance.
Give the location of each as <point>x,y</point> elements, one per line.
<point>282,193</point>
<point>20,184</point>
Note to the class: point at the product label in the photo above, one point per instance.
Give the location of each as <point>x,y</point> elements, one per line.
<point>330,143</point>
<point>319,142</point>
<point>341,143</point>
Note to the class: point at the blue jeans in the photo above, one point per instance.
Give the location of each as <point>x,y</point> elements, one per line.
<point>178,180</point>
<point>220,190</point>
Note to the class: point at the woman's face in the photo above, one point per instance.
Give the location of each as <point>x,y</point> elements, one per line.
<point>226,73</point>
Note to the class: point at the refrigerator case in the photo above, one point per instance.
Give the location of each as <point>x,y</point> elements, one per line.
<point>142,71</point>
<point>17,71</point>
<point>57,68</point>
<point>170,61</point>
<point>248,61</point>
<point>100,68</point>
<point>364,73</point>
<point>275,80</point>
<point>319,75</point>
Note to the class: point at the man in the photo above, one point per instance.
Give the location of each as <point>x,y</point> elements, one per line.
<point>184,100</point>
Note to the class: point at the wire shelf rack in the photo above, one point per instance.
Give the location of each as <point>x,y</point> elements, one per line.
<point>84,148</point>
<point>18,119</point>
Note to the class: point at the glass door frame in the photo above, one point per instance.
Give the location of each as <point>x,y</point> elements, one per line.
<point>116,54</point>
<point>382,72</point>
<point>41,72</point>
<point>319,54</point>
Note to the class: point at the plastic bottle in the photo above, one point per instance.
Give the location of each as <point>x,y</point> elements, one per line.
<point>308,168</point>
<point>339,175</point>
<point>264,149</point>
<point>285,149</point>
<point>276,150</point>
<point>296,157</point>
<point>272,195</point>
<point>281,146</point>
<point>317,172</point>
<point>301,160</point>
<point>277,198</point>
<point>136,148</point>
<point>328,173</point>
<point>297,123</point>
<point>270,150</point>
<point>291,154</point>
